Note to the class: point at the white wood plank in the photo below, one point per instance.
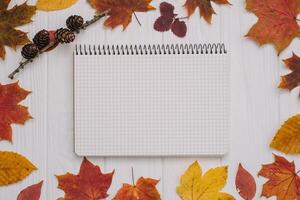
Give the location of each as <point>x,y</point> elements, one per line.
<point>258,107</point>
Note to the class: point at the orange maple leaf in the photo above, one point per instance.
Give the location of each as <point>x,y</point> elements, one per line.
<point>9,19</point>
<point>120,10</point>
<point>10,110</point>
<point>283,180</point>
<point>277,23</point>
<point>291,80</point>
<point>145,189</point>
<point>89,184</point>
<point>205,7</point>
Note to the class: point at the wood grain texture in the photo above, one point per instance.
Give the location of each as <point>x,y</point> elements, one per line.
<point>257,106</point>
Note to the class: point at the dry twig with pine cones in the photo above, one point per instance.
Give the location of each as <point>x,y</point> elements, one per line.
<point>45,40</point>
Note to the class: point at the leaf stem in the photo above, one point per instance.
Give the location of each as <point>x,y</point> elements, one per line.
<point>132,176</point>
<point>137,19</point>
<point>84,26</point>
<point>183,17</point>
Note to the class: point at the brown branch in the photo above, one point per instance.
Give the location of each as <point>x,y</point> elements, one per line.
<point>84,26</point>
<point>21,66</point>
<point>95,19</point>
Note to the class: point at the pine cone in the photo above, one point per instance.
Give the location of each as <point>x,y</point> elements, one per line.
<point>29,51</point>
<point>64,35</point>
<point>74,22</point>
<point>41,39</point>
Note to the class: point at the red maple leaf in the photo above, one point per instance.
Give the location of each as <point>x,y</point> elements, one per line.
<point>277,22</point>
<point>10,110</point>
<point>89,184</point>
<point>291,80</point>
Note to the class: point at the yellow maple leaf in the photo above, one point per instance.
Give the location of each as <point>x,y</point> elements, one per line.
<point>195,186</point>
<point>51,5</point>
<point>287,139</point>
<point>14,167</point>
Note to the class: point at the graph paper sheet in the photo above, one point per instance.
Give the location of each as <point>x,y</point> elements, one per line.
<point>151,105</point>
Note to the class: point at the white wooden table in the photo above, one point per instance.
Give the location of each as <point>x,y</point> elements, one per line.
<point>258,107</point>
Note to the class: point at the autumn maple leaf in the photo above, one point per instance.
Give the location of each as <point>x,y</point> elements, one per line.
<point>292,80</point>
<point>10,110</point>
<point>277,23</point>
<point>89,184</point>
<point>145,189</point>
<point>9,19</point>
<point>284,183</point>
<point>205,7</point>
<point>120,10</point>
<point>197,186</point>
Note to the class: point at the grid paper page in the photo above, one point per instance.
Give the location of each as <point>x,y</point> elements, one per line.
<point>151,105</point>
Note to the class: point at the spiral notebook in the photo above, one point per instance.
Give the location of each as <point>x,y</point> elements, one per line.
<point>151,100</point>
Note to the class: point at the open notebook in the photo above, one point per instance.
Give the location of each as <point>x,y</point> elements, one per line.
<point>151,100</point>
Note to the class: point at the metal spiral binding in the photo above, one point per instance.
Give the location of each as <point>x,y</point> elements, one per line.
<point>217,48</point>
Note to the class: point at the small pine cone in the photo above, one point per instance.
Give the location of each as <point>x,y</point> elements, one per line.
<point>41,39</point>
<point>64,35</point>
<point>29,51</point>
<point>74,22</point>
